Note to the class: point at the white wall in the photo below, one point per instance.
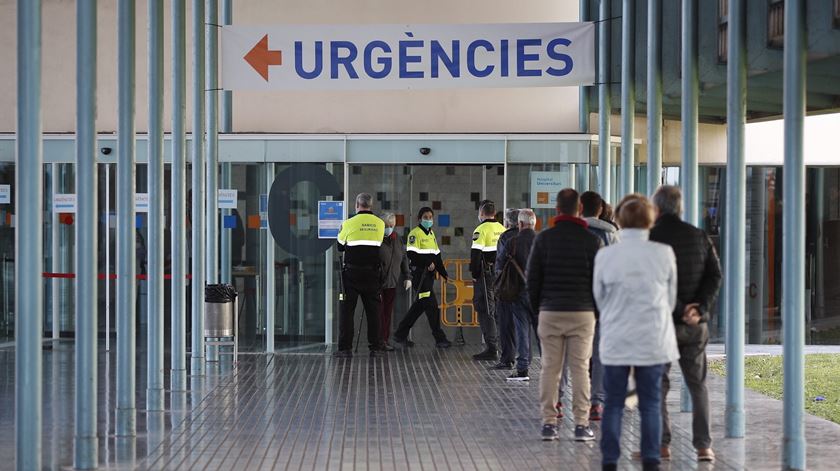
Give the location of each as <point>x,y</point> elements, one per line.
<point>480,110</point>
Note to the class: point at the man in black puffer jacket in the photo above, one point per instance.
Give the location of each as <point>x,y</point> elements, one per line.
<point>698,281</point>
<point>560,289</point>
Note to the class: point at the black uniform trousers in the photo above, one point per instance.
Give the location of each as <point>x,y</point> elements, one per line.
<point>484,303</point>
<point>429,305</point>
<point>360,282</point>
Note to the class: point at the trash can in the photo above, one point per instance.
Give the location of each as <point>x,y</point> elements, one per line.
<point>219,310</point>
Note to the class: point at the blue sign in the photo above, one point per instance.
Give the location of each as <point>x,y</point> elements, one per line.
<point>330,217</point>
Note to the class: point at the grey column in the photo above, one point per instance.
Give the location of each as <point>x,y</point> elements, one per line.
<point>793,240</point>
<point>270,283</point>
<point>227,128</point>
<point>628,95</point>
<point>583,103</point>
<point>212,96</point>
<point>85,454</point>
<point>197,207</point>
<point>735,217</point>
<point>178,199</point>
<point>154,372</point>
<point>604,104</point>
<point>29,239</point>
<point>690,93</point>
<point>126,274</point>
<point>654,95</point>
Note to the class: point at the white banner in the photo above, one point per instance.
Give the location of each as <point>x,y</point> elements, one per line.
<point>407,56</point>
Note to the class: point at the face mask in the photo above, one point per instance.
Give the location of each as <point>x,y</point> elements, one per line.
<point>480,218</point>
<point>388,231</point>
<point>426,223</point>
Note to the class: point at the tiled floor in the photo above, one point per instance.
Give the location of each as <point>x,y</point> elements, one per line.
<point>414,409</point>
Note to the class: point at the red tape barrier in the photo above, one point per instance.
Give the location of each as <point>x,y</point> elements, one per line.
<point>101,276</point>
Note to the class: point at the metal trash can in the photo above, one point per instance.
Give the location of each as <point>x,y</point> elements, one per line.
<point>219,310</point>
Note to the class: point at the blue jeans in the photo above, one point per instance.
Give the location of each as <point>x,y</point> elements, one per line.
<point>507,336</point>
<point>648,388</point>
<point>522,325</point>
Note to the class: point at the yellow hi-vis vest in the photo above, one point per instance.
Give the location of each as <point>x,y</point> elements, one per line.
<point>486,236</point>
<point>363,229</point>
<point>422,243</point>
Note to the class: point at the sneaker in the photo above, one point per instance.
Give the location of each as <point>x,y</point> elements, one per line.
<point>502,365</point>
<point>486,355</point>
<point>443,344</point>
<point>705,454</point>
<point>519,376</point>
<point>595,412</point>
<point>549,432</point>
<point>559,407</point>
<point>584,434</point>
<point>377,353</point>
<point>388,347</point>
<point>343,354</point>
<point>404,342</point>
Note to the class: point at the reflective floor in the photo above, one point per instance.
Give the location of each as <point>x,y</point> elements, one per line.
<point>415,409</point>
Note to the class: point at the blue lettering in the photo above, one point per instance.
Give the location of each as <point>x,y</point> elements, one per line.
<point>483,43</point>
<point>406,59</point>
<point>522,58</point>
<point>505,59</point>
<point>452,63</point>
<point>385,62</point>
<point>319,60</point>
<point>552,53</point>
<point>346,61</point>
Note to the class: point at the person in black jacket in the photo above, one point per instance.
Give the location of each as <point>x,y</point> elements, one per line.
<point>698,282</point>
<point>559,281</point>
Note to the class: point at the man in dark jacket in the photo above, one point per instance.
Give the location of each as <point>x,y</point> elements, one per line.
<point>560,288</point>
<point>504,311</point>
<point>698,281</point>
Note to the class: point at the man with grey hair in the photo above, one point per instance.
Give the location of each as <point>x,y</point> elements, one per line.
<point>361,275</point>
<point>504,313</point>
<point>698,281</point>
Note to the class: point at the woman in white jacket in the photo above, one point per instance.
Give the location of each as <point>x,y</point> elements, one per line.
<point>635,289</point>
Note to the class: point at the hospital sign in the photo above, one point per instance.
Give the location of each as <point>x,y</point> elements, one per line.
<point>294,57</point>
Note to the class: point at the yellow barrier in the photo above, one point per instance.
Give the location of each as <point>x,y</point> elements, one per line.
<point>459,287</point>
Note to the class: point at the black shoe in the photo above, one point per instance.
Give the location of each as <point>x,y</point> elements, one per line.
<point>519,376</point>
<point>443,344</point>
<point>549,432</point>
<point>584,434</point>
<point>343,354</point>
<point>377,353</point>
<point>404,342</point>
<point>486,355</point>
<point>388,347</point>
<point>502,365</point>
<point>609,467</point>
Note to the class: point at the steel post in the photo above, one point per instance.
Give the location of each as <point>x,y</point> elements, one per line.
<point>270,284</point>
<point>604,104</point>
<point>793,238</point>
<point>628,94</point>
<point>226,128</point>
<point>654,95</point>
<point>126,273</point>
<point>735,217</point>
<point>29,239</point>
<point>87,304</point>
<point>583,103</point>
<point>690,93</point>
<point>197,206</point>
<point>212,169</point>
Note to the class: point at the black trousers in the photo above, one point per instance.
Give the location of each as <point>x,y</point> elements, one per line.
<point>364,284</point>
<point>691,341</point>
<point>484,303</point>
<point>429,305</point>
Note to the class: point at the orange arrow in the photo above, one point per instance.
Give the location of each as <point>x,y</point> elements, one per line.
<point>260,57</point>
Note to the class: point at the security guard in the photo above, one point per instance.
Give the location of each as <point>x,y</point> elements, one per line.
<point>361,275</point>
<point>425,260</point>
<point>482,260</point>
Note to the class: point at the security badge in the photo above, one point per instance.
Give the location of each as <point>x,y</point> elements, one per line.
<point>411,239</point>
<point>476,236</point>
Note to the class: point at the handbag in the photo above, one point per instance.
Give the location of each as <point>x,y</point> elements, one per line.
<point>511,281</point>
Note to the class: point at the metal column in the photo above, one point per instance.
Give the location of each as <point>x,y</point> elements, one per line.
<point>690,93</point>
<point>654,95</point>
<point>197,207</point>
<point>735,222</point>
<point>29,239</point>
<point>604,104</point>
<point>628,94</point>
<point>126,284</point>
<point>178,199</point>
<point>226,128</point>
<point>270,284</point>
<point>212,169</point>
<point>583,103</point>
<point>86,441</point>
<point>154,371</point>
<point>793,237</point>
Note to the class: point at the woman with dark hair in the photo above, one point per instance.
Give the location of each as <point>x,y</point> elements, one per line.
<point>424,261</point>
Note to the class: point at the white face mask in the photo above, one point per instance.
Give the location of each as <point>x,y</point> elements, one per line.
<point>480,219</point>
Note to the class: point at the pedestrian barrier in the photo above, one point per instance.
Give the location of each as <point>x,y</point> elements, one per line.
<point>456,295</point>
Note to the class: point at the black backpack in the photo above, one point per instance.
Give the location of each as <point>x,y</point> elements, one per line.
<point>511,281</point>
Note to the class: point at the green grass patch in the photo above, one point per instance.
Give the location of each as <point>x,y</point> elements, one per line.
<point>763,374</point>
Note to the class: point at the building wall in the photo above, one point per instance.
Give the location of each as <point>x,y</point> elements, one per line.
<point>477,110</point>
